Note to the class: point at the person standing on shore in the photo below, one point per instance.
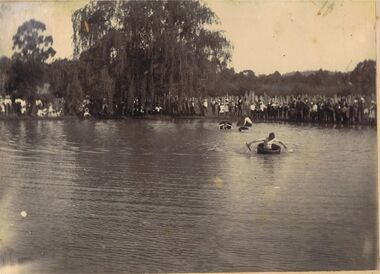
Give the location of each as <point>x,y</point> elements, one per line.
<point>8,104</point>
<point>372,113</point>
<point>252,108</point>
<point>2,105</point>
<point>213,104</point>
<point>205,107</point>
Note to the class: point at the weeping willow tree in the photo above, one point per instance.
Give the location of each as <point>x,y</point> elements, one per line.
<point>147,49</point>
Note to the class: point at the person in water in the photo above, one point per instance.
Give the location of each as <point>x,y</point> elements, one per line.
<point>247,122</point>
<point>268,142</point>
<point>244,124</point>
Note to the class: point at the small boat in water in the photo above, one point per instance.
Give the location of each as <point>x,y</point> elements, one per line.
<point>225,125</point>
<point>276,149</point>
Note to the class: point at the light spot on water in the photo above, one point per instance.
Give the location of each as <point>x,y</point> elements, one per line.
<point>146,222</point>
<point>23,214</point>
<point>218,182</point>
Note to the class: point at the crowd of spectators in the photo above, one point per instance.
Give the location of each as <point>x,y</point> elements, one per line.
<point>318,109</point>
<point>349,109</point>
<point>40,107</point>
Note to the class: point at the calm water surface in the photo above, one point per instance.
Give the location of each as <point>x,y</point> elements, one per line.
<point>181,196</point>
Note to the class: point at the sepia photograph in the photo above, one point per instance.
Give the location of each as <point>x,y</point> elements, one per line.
<point>177,136</point>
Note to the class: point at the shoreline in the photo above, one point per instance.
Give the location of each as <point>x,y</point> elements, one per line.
<point>163,117</point>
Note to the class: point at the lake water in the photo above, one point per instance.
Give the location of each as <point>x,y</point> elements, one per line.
<point>183,196</point>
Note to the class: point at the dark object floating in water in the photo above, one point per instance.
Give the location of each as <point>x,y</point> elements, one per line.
<point>275,149</point>
<point>242,129</point>
<point>225,125</point>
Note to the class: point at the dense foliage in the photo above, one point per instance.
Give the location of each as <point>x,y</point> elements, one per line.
<point>362,80</point>
<point>31,50</point>
<point>145,49</point>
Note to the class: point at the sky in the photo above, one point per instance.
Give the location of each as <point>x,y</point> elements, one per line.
<point>267,35</point>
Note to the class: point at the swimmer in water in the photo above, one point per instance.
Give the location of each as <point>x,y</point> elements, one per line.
<point>268,142</point>
<point>246,124</point>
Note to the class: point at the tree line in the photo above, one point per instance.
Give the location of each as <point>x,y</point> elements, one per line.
<point>149,50</point>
